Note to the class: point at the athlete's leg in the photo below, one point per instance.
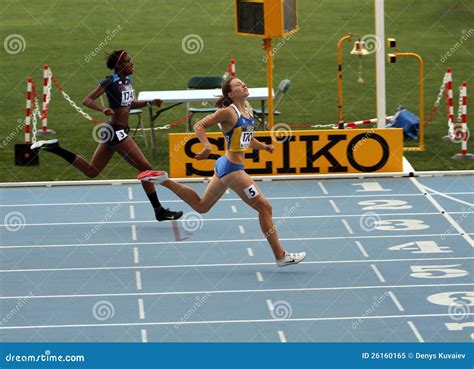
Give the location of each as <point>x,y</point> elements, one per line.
<point>129,150</point>
<point>214,191</point>
<point>100,159</point>
<point>248,191</point>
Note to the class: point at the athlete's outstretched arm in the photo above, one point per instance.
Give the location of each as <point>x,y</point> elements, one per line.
<point>257,145</point>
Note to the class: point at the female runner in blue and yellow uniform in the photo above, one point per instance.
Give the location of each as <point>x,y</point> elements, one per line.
<point>114,138</point>
<point>237,124</point>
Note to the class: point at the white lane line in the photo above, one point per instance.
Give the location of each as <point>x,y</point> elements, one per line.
<point>348,227</point>
<point>237,199</point>
<point>336,209</point>
<point>138,278</point>
<point>234,208</point>
<point>448,217</point>
<point>227,192</point>
<point>249,251</point>
<point>176,293</point>
<point>361,248</point>
<point>395,301</point>
<point>447,196</point>
<point>270,305</point>
<point>259,277</point>
<point>141,309</point>
<point>415,331</point>
<point>323,188</point>
<point>284,217</point>
<point>144,335</point>
<point>250,240</point>
<point>134,232</point>
<point>130,193</point>
<point>132,212</point>
<point>185,266</point>
<point>188,322</point>
<point>282,337</point>
<point>136,255</point>
<point>241,229</point>
<point>377,273</point>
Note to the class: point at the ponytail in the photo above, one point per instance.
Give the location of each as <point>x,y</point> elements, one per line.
<point>225,100</point>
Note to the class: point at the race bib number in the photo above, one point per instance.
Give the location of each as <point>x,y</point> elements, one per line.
<point>127,97</point>
<point>251,191</point>
<point>245,139</point>
<point>121,135</point>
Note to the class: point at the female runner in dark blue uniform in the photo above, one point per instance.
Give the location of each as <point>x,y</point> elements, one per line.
<point>114,138</point>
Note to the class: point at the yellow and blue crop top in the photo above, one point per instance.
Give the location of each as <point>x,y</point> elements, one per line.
<point>239,137</point>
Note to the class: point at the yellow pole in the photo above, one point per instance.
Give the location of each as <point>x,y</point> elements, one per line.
<point>267,43</point>
<point>421,143</point>
<point>339,78</point>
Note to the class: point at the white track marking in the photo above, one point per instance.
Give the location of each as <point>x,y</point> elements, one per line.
<point>186,266</point>
<point>144,335</point>
<point>132,212</point>
<point>361,248</point>
<point>259,277</point>
<point>415,331</point>
<point>448,217</point>
<point>233,208</point>
<point>377,273</point>
<point>333,204</point>
<point>395,301</point>
<point>237,199</point>
<point>130,193</point>
<point>270,305</point>
<point>249,251</point>
<point>241,229</point>
<point>134,232</point>
<point>141,309</point>
<point>136,255</point>
<point>447,196</point>
<point>323,188</point>
<point>354,318</point>
<point>177,293</point>
<point>282,337</point>
<point>348,227</point>
<point>138,278</point>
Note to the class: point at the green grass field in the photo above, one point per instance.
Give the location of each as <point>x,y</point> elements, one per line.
<point>65,33</point>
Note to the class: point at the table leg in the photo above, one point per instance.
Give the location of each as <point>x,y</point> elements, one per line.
<point>152,133</point>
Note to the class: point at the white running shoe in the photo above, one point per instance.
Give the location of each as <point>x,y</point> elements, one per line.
<point>291,258</point>
<point>154,176</point>
<point>43,144</point>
